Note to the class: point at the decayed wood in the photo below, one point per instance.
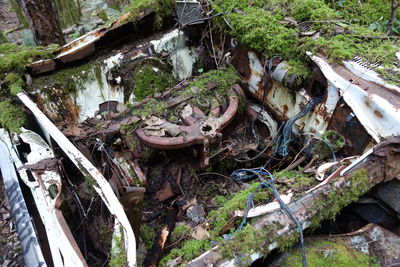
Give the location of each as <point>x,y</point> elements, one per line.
<point>303,209</point>
<point>154,255</point>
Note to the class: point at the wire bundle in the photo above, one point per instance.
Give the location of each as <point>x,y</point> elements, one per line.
<point>267,181</point>
<point>286,137</point>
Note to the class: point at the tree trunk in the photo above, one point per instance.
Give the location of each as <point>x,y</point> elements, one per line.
<point>394,6</point>
<point>69,12</point>
<point>43,21</point>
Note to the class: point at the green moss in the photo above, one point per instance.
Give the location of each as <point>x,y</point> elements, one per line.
<point>89,182</point>
<point>68,11</point>
<point>18,11</point>
<point>188,251</point>
<point>14,82</point>
<point>151,78</point>
<point>249,240</point>
<point>147,234</point>
<point>71,80</point>
<point>206,87</point>
<point>162,9</point>
<point>15,57</point>
<point>179,232</point>
<point>334,139</point>
<point>329,254</point>
<point>12,117</point>
<point>103,15</point>
<point>118,252</point>
<point>259,25</point>
<point>3,38</point>
<point>333,202</point>
<point>152,107</point>
<point>285,242</point>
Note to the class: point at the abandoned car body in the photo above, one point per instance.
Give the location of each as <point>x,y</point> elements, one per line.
<point>132,127</point>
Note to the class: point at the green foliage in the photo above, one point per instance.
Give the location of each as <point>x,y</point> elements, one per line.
<point>12,117</point>
<point>329,254</point>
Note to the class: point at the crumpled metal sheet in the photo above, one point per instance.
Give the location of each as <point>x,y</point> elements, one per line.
<point>376,106</point>
<point>390,149</point>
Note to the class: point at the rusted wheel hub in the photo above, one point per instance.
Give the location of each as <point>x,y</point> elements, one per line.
<point>199,128</point>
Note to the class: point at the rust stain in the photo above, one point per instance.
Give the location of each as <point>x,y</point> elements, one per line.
<point>378,114</point>
<point>285,109</point>
<point>241,62</point>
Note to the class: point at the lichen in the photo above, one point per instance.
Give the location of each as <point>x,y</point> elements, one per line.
<point>329,254</point>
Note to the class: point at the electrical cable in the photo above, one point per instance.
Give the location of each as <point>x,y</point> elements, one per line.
<point>247,174</point>
<point>282,145</point>
<point>326,143</point>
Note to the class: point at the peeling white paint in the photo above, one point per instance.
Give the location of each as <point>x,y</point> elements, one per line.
<point>97,92</point>
<point>182,57</point>
<point>378,116</point>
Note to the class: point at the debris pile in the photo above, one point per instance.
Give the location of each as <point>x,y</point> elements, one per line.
<point>199,144</point>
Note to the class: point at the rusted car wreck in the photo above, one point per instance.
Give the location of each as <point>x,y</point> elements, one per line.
<point>179,146</point>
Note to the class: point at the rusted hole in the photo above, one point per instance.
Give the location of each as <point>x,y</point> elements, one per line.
<point>378,114</point>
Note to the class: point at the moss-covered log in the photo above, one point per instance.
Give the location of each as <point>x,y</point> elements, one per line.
<point>276,230</point>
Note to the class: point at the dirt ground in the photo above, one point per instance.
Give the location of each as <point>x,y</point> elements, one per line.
<point>10,249</point>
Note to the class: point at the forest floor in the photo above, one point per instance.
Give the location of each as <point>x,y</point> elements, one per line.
<point>10,249</point>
